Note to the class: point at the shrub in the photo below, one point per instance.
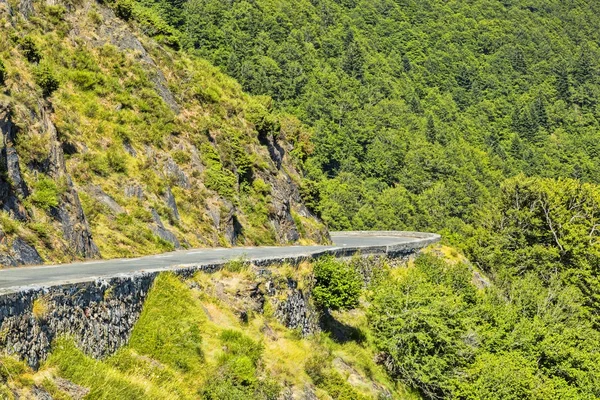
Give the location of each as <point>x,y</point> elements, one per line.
<point>30,50</point>
<point>237,376</point>
<point>7,224</point>
<point>337,285</point>
<point>124,9</point>
<point>46,79</point>
<point>45,194</point>
<point>221,181</point>
<point>181,157</point>
<point>2,73</point>
<point>329,380</point>
<point>117,161</point>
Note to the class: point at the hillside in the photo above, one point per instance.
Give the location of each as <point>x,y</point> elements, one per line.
<point>117,146</point>
<point>366,328</point>
<point>133,127</point>
<point>420,109</point>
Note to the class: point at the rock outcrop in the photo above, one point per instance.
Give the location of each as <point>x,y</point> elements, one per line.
<point>69,211</point>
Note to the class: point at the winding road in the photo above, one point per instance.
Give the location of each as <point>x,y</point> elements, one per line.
<point>344,243</point>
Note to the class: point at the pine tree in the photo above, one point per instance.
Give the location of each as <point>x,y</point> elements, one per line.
<point>430,130</point>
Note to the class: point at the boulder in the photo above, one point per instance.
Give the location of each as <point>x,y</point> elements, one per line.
<point>159,230</point>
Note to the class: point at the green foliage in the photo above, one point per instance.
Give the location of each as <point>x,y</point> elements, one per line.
<point>117,160</point>
<point>330,380</point>
<point>237,374</point>
<point>237,265</point>
<point>221,181</point>
<point>450,341</point>
<point>45,193</point>
<point>399,108</point>
<point>2,73</point>
<point>337,285</point>
<point>124,9</point>
<point>45,78</point>
<point>104,383</point>
<point>8,225</point>
<point>30,50</point>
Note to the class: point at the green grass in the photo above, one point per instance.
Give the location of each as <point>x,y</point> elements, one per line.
<point>104,381</point>
<point>169,328</point>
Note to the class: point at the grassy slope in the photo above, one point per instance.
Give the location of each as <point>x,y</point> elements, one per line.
<point>109,101</point>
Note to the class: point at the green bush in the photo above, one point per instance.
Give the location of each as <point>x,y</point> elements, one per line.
<point>124,9</point>
<point>2,73</point>
<point>337,285</point>
<point>116,160</point>
<point>221,181</point>
<point>329,380</point>
<point>45,194</point>
<point>30,50</point>
<point>46,79</point>
<point>237,376</point>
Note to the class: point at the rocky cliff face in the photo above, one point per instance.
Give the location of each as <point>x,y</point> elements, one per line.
<point>116,145</point>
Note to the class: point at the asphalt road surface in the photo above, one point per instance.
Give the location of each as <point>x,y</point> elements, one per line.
<point>49,274</point>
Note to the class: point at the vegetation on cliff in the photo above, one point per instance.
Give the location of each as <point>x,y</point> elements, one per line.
<point>115,145</point>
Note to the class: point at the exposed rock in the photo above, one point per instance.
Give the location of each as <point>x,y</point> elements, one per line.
<point>10,203</point>
<point>480,281</point>
<point>10,158</point>
<point>215,214</point>
<point>75,391</point>
<point>69,212</point>
<point>129,149</point>
<point>99,315</point>
<point>309,393</point>
<point>159,230</point>
<point>134,190</point>
<point>195,159</point>
<point>26,8</point>
<point>355,379</point>
<point>275,150</point>
<point>229,223</point>
<point>296,312</point>
<point>170,200</point>
<point>24,253</point>
<point>5,7</point>
<point>39,393</point>
<point>281,209</point>
<point>175,174</point>
<point>6,260</point>
<point>102,197</point>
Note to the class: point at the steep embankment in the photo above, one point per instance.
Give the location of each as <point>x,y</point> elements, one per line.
<point>115,145</point>
<point>243,332</point>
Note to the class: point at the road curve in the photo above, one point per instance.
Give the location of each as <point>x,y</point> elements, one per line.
<point>344,244</point>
